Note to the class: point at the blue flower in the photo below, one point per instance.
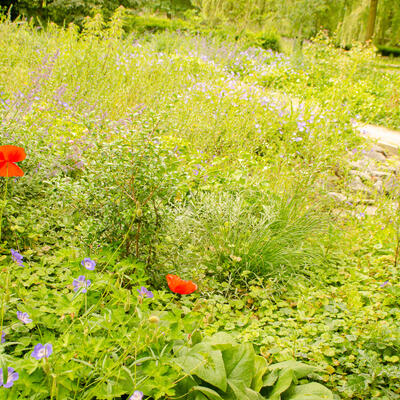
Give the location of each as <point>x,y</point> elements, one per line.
<point>137,395</point>
<point>23,317</point>
<point>382,285</point>
<point>41,351</point>
<point>3,337</point>
<point>81,282</point>
<point>17,257</point>
<point>88,264</point>
<point>12,376</point>
<point>143,292</point>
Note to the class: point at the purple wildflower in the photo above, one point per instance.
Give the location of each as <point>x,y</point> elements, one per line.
<point>81,282</point>
<point>12,376</point>
<point>3,337</point>
<point>137,395</point>
<point>23,317</point>
<point>41,351</point>
<point>17,257</point>
<point>143,292</point>
<point>382,285</point>
<point>88,264</point>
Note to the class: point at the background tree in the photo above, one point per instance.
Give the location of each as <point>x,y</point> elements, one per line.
<point>371,19</point>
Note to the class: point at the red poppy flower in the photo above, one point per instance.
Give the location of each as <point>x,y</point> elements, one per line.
<point>178,285</point>
<point>8,156</point>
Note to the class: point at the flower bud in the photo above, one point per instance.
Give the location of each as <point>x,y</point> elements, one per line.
<point>154,319</point>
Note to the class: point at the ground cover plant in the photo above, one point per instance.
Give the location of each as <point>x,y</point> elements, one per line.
<point>177,156</point>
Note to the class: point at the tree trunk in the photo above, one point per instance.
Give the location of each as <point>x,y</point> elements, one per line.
<point>371,20</point>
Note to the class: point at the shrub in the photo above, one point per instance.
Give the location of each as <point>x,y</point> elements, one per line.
<point>389,51</point>
<point>153,24</point>
<point>268,40</point>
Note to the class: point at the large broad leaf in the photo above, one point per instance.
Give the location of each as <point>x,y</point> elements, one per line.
<point>285,379</point>
<point>260,368</point>
<point>205,363</point>
<point>309,391</point>
<point>239,391</point>
<point>300,369</point>
<point>239,364</point>
<point>270,378</point>
<point>207,392</point>
<point>220,341</point>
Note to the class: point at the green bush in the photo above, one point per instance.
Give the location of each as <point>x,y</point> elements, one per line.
<point>389,51</point>
<point>267,40</point>
<point>153,24</point>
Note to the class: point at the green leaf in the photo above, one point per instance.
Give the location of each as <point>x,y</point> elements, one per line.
<point>221,341</point>
<point>260,368</point>
<point>300,370</point>
<point>209,393</point>
<point>271,378</point>
<point>239,363</point>
<point>205,363</point>
<point>286,377</point>
<point>310,391</point>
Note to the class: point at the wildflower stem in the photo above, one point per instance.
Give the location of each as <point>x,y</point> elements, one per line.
<point>3,301</point>
<point>3,204</point>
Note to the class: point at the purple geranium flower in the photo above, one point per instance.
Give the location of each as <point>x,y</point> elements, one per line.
<point>81,282</point>
<point>41,351</point>
<point>23,317</point>
<point>17,257</point>
<point>3,337</point>
<point>12,376</point>
<point>137,395</point>
<point>143,292</point>
<point>88,264</point>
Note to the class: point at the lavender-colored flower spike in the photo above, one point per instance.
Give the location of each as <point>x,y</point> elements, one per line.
<point>382,285</point>
<point>3,337</point>
<point>23,317</point>
<point>88,264</point>
<point>137,395</point>
<point>12,376</point>
<point>143,292</point>
<point>17,257</point>
<point>41,351</point>
<point>81,282</point>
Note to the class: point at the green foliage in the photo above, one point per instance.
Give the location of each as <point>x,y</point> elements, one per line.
<point>265,40</point>
<point>206,157</point>
<point>389,51</point>
<point>220,368</point>
<point>261,233</point>
<point>152,24</point>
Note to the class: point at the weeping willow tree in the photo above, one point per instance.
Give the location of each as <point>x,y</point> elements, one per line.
<point>371,19</point>
<point>350,19</point>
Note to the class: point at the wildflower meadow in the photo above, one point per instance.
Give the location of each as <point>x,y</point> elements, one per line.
<point>191,216</point>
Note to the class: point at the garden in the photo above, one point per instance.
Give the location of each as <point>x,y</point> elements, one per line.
<point>188,216</point>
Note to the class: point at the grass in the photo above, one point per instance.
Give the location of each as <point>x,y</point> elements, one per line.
<point>177,154</point>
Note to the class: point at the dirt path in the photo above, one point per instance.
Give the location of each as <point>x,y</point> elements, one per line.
<point>386,138</point>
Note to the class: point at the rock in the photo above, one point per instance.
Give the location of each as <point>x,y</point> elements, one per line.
<point>360,164</point>
<point>357,185</point>
<point>378,186</point>
<point>371,210</point>
<point>379,149</point>
<point>337,196</point>
<point>375,155</point>
<point>363,175</point>
<point>392,185</point>
<point>379,174</point>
